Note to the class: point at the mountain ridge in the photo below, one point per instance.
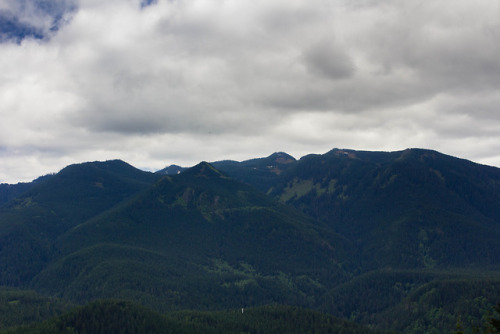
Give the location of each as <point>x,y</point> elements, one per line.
<point>210,221</point>
<point>402,227</point>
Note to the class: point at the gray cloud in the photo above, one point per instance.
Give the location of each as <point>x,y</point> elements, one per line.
<point>159,82</point>
<point>328,60</point>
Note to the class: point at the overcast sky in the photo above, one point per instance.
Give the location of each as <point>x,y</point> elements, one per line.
<point>166,82</point>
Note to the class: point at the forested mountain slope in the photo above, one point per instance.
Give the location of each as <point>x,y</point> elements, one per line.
<point>112,316</point>
<point>409,209</point>
<point>10,191</point>
<point>198,239</point>
<point>31,222</point>
<point>359,235</point>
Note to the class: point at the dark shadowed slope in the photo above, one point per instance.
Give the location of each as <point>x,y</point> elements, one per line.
<point>31,222</point>
<point>110,316</point>
<point>414,208</point>
<point>198,239</point>
<point>261,173</point>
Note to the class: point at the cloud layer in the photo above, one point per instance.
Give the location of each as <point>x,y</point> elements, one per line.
<point>160,82</point>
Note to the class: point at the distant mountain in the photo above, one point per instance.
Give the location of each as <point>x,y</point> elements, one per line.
<point>401,241</point>
<point>31,222</point>
<point>413,208</point>
<point>11,191</point>
<point>260,173</point>
<point>171,170</point>
<point>199,233</point>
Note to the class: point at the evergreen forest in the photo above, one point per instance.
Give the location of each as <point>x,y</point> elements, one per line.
<point>342,242</point>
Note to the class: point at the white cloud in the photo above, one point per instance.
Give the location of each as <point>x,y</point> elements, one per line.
<point>182,81</point>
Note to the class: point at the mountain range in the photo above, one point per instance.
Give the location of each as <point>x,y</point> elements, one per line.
<point>354,234</point>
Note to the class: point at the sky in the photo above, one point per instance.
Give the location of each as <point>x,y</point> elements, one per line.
<point>166,82</point>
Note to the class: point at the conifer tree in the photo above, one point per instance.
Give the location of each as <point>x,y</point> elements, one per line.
<point>495,322</point>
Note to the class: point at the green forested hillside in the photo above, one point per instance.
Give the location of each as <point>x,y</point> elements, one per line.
<point>269,319</point>
<point>405,241</point>
<point>260,173</point>
<point>414,209</point>
<point>109,316</point>
<point>104,317</point>
<point>31,222</point>
<point>18,307</point>
<point>198,240</point>
<point>10,191</point>
<point>408,209</point>
<point>417,301</point>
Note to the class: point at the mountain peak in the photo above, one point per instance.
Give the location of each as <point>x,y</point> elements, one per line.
<point>206,170</point>
<point>343,153</point>
<point>171,170</point>
<point>282,158</point>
